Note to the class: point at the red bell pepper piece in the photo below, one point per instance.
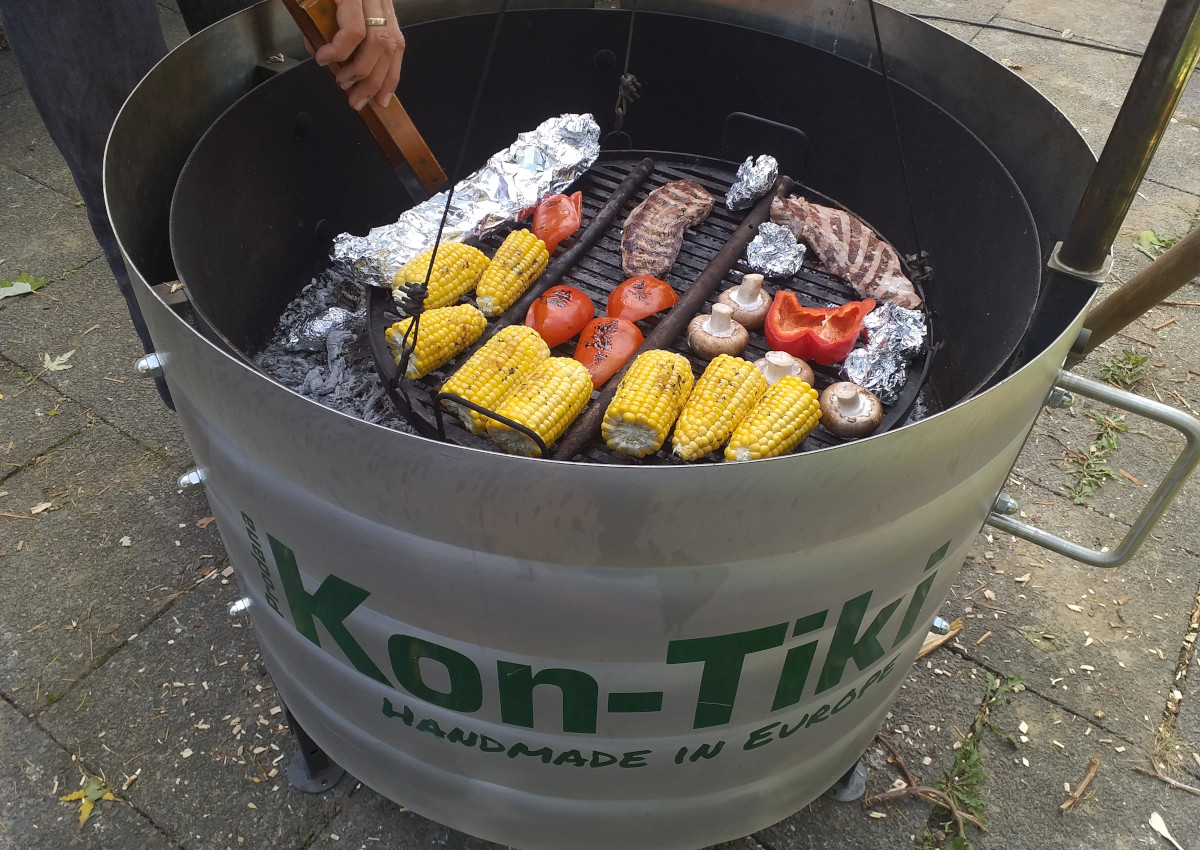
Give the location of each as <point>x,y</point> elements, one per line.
<point>559,313</point>
<point>557,217</point>
<point>641,296</point>
<point>824,335</point>
<point>604,346</point>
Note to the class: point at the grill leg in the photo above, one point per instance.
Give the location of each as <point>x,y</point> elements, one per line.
<point>851,786</point>
<point>310,769</point>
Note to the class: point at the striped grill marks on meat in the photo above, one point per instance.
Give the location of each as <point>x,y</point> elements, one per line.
<point>849,249</point>
<point>653,232</point>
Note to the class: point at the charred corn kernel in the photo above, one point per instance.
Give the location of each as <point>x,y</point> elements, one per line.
<point>785,415</point>
<point>554,392</point>
<point>720,400</point>
<point>441,334</point>
<point>647,402</point>
<point>517,264</point>
<point>492,371</point>
<point>456,270</point>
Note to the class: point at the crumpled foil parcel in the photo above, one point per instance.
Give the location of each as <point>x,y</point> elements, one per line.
<point>540,162</point>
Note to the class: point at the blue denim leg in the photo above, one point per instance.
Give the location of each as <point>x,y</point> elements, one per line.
<point>80,59</point>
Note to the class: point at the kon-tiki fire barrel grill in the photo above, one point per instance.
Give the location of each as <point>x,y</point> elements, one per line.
<point>581,650</point>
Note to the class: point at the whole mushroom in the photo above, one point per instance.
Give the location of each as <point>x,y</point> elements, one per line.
<point>717,333</point>
<point>779,364</point>
<point>848,410</point>
<point>750,302</point>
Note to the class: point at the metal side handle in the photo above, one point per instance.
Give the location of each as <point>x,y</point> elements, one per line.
<point>1187,425</point>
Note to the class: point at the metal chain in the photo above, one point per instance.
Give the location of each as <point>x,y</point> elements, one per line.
<point>920,257</point>
<point>627,90</point>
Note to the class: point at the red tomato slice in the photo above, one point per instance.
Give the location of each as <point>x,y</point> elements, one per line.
<point>641,296</point>
<point>604,346</point>
<point>556,218</point>
<point>560,313</point>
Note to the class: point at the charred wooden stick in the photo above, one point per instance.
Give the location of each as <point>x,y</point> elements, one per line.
<point>673,324</point>
<point>908,777</point>
<point>1070,802</point>
<point>930,795</point>
<point>1158,774</point>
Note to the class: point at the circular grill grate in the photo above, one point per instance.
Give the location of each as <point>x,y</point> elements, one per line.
<point>599,271</point>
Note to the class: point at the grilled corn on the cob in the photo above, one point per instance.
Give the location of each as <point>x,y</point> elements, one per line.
<point>784,416</point>
<point>553,393</point>
<point>492,371</point>
<point>456,270</point>
<point>720,400</point>
<point>647,402</point>
<point>441,334</point>
<point>517,264</point>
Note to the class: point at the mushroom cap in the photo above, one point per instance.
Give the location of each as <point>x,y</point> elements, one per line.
<point>782,360</point>
<point>750,317</point>
<point>708,346</point>
<point>848,410</point>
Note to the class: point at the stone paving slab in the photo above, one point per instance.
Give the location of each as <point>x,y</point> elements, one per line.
<point>34,772</point>
<point>189,703</point>
<point>25,146</point>
<point>42,231</point>
<point>88,316</point>
<point>127,713</point>
<point>73,593</point>
<point>36,417</point>
<point>1116,654</point>
<point>1121,23</point>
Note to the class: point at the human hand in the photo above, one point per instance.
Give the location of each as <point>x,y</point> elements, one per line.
<point>370,54</point>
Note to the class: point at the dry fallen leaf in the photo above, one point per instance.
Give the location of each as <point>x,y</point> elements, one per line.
<point>204,522</point>
<point>37,509</point>
<point>59,363</point>
<point>93,790</point>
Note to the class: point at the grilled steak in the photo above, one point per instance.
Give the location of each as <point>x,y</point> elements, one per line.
<point>848,249</point>
<point>653,232</point>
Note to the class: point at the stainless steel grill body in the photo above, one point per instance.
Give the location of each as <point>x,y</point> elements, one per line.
<point>557,654</point>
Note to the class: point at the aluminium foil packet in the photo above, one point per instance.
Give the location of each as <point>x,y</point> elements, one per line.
<point>541,162</point>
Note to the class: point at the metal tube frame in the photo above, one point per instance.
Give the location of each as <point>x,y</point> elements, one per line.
<point>1187,425</point>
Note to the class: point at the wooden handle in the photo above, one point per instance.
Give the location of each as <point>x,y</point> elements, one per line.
<point>1178,266</point>
<point>390,125</point>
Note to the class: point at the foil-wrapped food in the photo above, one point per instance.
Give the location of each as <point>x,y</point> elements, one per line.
<point>895,336</point>
<point>774,251</point>
<point>539,163</point>
<point>755,177</point>
<point>310,334</point>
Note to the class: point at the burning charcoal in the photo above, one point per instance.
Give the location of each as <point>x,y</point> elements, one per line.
<point>754,179</point>
<point>775,252</point>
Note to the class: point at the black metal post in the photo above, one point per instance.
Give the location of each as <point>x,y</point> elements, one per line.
<point>310,769</point>
<point>1161,77</point>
